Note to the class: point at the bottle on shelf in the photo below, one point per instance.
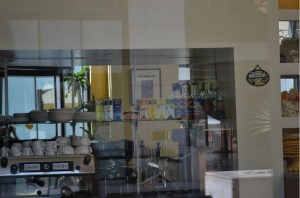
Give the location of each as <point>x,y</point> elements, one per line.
<point>220,108</point>
<point>198,110</point>
<point>214,96</point>
<point>187,101</point>
<point>174,91</point>
<point>201,88</point>
<point>178,100</point>
<point>206,100</point>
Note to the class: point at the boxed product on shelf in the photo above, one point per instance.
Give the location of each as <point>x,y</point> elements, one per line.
<point>178,102</point>
<point>143,109</point>
<point>108,110</point>
<point>152,109</point>
<point>130,115</point>
<point>99,110</point>
<point>169,110</point>
<point>160,109</point>
<point>117,109</point>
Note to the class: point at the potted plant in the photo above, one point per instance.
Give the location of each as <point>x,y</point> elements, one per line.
<point>81,84</point>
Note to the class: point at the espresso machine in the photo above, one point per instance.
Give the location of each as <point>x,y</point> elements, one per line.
<point>47,176</point>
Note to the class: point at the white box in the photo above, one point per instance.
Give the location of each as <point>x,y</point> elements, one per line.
<point>239,184</point>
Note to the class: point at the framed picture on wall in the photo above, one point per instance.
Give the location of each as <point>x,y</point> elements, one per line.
<point>146,83</point>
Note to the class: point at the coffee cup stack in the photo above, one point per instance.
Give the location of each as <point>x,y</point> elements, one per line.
<point>82,145</point>
<point>51,148</point>
<point>4,151</point>
<point>16,149</point>
<point>64,146</point>
<point>27,148</point>
<point>38,147</point>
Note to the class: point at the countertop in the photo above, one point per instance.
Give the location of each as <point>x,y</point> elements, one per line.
<point>243,174</point>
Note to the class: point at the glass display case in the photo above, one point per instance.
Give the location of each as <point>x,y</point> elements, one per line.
<point>289,60</point>
<point>156,119</point>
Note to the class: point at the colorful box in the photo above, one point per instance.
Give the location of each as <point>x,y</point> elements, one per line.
<point>130,115</point>
<point>108,110</point>
<point>99,110</point>
<point>152,109</point>
<point>169,110</point>
<point>143,109</point>
<point>117,109</point>
<point>160,109</point>
<point>178,103</point>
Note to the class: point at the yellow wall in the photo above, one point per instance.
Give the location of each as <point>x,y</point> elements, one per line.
<point>99,82</point>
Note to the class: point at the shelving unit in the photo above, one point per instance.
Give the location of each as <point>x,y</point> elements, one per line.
<point>290,125</point>
<point>182,142</point>
<point>289,68</point>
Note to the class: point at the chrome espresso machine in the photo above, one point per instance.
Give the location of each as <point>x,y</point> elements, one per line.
<point>47,176</point>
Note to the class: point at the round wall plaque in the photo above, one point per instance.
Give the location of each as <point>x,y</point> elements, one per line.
<point>258,77</point>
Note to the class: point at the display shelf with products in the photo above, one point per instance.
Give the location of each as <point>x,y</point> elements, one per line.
<point>143,140</point>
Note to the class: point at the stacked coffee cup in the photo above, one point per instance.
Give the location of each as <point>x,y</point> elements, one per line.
<point>64,146</point>
<point>4,151</point>
<point>38,147</point>
<point>27,148</point>
<point>16,149</point>
<point>50,147</point>
<point>82,145</point>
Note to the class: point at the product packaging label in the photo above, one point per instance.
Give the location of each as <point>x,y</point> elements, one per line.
<point>178,108</point>
<point>160,109</point>
<point>108,110</point>
<point>199,112</point>
<point>143,109</point>
<point>99,110</point>
<point>169,110</point>
<point>187,108</point>
<point>117,109</point>
<point>130,115</point>
<point>152,109</point>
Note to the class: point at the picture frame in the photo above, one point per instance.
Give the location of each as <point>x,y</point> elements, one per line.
<point>146,83</point>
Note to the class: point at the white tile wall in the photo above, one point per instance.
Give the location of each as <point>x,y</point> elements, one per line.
<point>136,12</point>
<point>60,34</point>
<point>137,37</point>
<point>164,12</point>
<point>19,34</point>
<point>165,37</point>
<point>156,23</point>
<point>98,34</point>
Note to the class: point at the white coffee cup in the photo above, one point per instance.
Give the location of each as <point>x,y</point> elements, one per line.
<point>51,146</point>
<point>27,144</point>
<point>38,145</point>
<point>66,150</point>
<point>4,151</point>
<point>77,141</point>
<point>15,151</point>
<point>83,149</point>
<point>39,152</point>
<point>17,144</point>
<point>85,141</point>
<point>62,141</point>
<point>50,152</point>
<point>27,151</point>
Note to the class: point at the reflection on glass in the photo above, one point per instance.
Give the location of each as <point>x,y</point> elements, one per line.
<point>289,41</point>
<point>290,96</point>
